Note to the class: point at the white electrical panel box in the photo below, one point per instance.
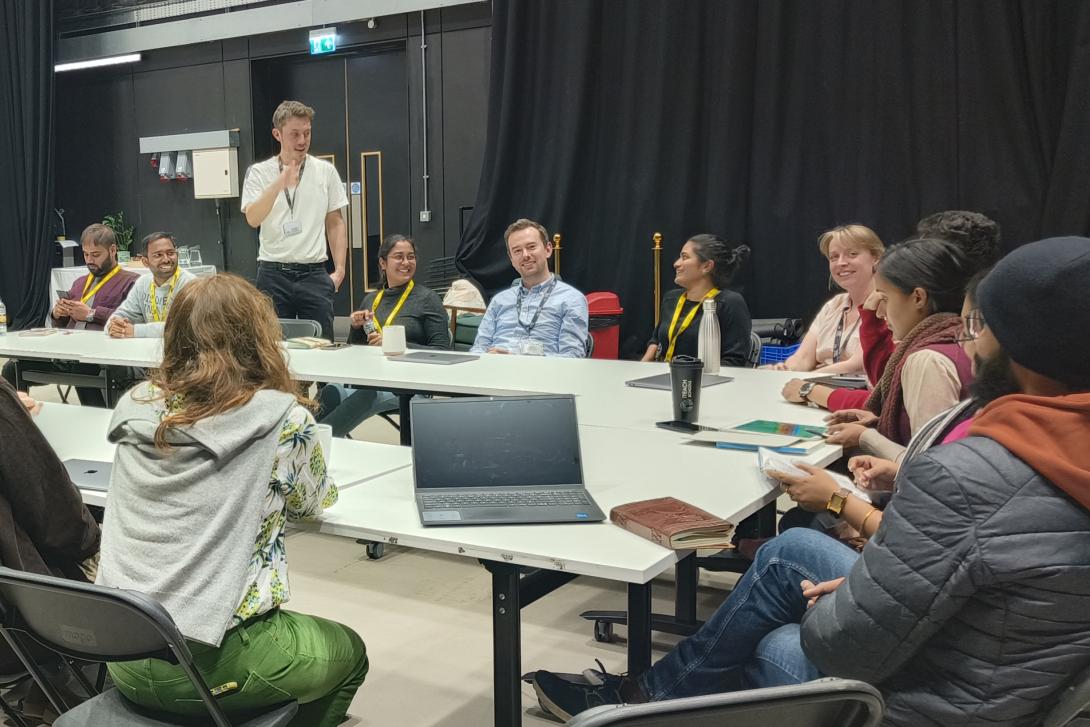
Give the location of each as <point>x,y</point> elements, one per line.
<point>215,173</point>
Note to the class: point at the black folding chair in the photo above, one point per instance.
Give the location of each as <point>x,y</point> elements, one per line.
<point>300,328</point>
<point>93,623</point>
<point>821,703</point>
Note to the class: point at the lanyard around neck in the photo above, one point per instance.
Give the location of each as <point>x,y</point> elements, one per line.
<point>672,337</point>
<point>87,296</point>
<point>291,198</point>
<point>155,316</point>
<point>397,308</point>
<point>518,306</point>
<point>838,349</point>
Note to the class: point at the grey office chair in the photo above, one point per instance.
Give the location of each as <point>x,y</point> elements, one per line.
<point>93,623</point>
<point>299,327</point>
<point>821,703</point>
<point>1074,705</point>
<point>755,346</point>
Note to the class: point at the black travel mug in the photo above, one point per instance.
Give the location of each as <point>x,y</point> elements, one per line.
<point>685,374</point>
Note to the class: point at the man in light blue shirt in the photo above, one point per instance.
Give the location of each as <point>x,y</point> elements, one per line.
<point>538,314</point>
<point>143,312</point>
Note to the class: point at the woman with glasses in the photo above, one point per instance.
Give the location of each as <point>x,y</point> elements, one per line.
<point>400,301</point>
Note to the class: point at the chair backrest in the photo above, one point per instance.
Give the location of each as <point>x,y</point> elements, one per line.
<point>93,623</point>
<point>1073,701</point>
<point>589,346</point>
<point>442,272</point>
<point>299,327</point>
<point>754,356</point>
<point>822,703</point>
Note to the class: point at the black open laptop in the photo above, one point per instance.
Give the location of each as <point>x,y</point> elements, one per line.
<point>484,460</point>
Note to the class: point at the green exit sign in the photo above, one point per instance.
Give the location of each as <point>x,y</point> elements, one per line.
<point>323,41</point>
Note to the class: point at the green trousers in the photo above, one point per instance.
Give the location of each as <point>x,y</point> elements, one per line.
<point>272,658</point>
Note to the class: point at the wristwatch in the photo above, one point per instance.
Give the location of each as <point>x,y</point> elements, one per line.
<point>836,501</point>
<point>91,315</point>
<point>805,389</point>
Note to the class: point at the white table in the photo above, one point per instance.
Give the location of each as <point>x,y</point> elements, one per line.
<point>65,278</point>
<point>79,432</point>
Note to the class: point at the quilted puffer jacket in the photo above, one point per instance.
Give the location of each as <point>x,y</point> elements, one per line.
<point>971,605</point>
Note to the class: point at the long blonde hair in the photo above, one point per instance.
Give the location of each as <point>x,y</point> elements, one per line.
<point>221,344</point>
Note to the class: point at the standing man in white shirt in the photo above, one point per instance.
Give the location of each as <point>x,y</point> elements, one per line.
<point>143,313</point>
<point>295,200</point>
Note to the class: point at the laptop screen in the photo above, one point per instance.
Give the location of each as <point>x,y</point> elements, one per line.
<point>496,442</point>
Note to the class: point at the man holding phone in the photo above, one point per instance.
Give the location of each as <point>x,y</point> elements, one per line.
<point>88,304</point>
<point>143,312</point>
<point>94,297</point>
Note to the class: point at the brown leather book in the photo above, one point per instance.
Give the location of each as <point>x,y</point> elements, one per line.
<point>673,524</point>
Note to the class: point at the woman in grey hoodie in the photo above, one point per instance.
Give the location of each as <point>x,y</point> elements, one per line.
<point>215,453</point>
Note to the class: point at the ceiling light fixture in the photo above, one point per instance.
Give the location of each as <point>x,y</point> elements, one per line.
<point>97,62</point>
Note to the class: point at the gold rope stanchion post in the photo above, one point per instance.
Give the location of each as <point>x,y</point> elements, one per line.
<point>556,253</point>
<point>657,237</point>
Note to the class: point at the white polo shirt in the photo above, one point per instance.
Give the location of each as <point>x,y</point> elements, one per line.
<point>319,192</point>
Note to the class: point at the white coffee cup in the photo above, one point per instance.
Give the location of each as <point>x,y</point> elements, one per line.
<point>325,438</point>
<point>393,340</point>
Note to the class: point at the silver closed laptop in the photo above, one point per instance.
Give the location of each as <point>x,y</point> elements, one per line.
<point>488,460</point>
<point>89,474</point>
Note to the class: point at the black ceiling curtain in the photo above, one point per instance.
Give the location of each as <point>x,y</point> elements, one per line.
<point>769,121</point>
<point>26,158</point>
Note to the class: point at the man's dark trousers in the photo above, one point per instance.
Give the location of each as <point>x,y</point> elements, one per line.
<point>299,290</point>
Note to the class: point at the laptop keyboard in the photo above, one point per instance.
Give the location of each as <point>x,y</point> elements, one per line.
<point>532,498</point>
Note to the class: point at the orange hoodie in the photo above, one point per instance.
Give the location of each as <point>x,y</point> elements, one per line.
<point>1049,433</point>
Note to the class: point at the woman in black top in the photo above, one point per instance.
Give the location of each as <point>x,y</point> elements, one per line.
<point>703,270</point>
<point>401,302</point>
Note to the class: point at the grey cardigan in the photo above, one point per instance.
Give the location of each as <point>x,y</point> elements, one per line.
<point>971,605</point>
<point>181,524</point>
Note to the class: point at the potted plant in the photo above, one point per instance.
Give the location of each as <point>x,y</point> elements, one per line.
<point>123,232</point>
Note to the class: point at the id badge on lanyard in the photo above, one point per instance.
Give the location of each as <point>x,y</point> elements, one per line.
<point>293,226</point>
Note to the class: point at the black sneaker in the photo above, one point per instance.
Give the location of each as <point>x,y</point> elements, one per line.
<point>563,698</point>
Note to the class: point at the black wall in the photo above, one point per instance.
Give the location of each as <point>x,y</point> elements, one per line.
<point>101,114</point>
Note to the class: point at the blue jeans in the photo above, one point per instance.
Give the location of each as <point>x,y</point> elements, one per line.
<point>752,639</point>
<point>345,408</point>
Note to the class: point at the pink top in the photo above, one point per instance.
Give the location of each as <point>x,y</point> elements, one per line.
<point>961,431</point>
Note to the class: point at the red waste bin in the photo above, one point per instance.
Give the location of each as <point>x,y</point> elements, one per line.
<point>605,323</point>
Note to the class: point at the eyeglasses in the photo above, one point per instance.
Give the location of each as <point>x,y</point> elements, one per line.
<point>972,325</point>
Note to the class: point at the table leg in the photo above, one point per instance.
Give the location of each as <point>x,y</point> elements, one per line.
<point>506,644</point>
<point>404,422</point>
<point>685,576</point>
<point>639,627</point>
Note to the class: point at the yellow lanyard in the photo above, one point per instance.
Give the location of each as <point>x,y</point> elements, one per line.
<point>87,296</point>
<point>397,308</point>
<point>670,335</point>
<point>155,316</point>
